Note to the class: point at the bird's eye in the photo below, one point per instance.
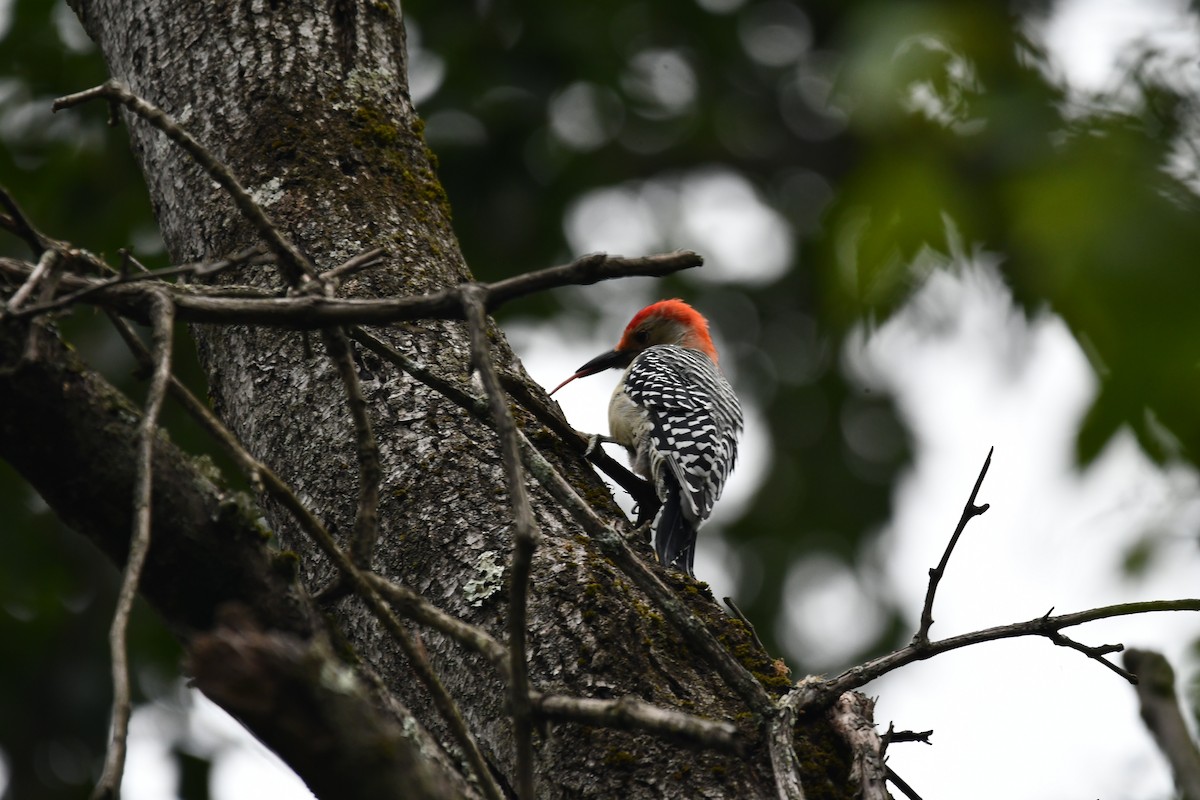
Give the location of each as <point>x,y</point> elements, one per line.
<point>641,336</point>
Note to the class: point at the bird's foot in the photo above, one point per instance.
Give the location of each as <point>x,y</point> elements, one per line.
<point>595,440</point>
<point>639,533</point>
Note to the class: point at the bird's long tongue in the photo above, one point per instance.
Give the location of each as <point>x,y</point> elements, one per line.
<point>568,380</point>
<point>613,358</point>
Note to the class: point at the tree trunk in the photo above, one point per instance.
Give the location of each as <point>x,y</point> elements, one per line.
<point>307,103</point>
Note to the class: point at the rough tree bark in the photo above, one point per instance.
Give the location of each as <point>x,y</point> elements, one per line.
<point>307,103</point>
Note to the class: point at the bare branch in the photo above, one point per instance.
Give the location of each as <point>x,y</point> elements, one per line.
<point>46,263</point>
<point>128,258</point>
<point>900,784</point>
<point>315,311</point>
<point>970,511</point>
<point>1165,720</point>
<point>781,743</point>
<point>811,694</point>
<point>631,714</point>
<point>893,736</point>
<point>364,260</point>
<point>413,605</point>
<point>366,518</point>
<point>109,785</point>
<point>1096,653</point>
<point>15,221</point>
<point>741,616</point>
<point>294,263</point>
<point>525,537</point>
<point>312,310</point>
<point>251,255</point>
<point>852,716</point>
<point>586,270</point>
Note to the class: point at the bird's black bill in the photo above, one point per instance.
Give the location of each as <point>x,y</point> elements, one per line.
<point>609,360</point>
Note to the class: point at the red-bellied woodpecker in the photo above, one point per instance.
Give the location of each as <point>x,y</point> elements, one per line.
<point>676,415</point>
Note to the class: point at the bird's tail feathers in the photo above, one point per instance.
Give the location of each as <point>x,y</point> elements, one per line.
<point>674,533</point>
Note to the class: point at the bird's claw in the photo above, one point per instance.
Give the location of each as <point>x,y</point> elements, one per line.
<point>594,441</point>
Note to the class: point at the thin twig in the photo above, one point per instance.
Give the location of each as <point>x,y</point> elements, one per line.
<point>46,262</point>
<point>128,258</point>
<point>970,511</point>
<point>893,736</point>
<point>16,222</point>
<point>370,472</point>
<point>294,263</point>
<point>525,537</point>
<point>899,783</point>
<point>109,785</point>
<point>586,270</point>
<point>364,260</point>
<point>740,615</point>
<point>75,261</point>
<point>1096,653</point>
<point>414,606</point>
<point>251,255</point>
<point>631,714</point>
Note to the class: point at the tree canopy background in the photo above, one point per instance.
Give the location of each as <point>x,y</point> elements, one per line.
<point>830,160</point>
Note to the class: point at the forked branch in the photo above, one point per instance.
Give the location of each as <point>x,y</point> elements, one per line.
<point>822,692</point>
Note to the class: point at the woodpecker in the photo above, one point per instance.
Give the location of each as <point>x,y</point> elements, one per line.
<point>677,416</point>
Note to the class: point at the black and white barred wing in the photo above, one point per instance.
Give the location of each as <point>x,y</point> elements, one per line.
<point>695,420</point>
